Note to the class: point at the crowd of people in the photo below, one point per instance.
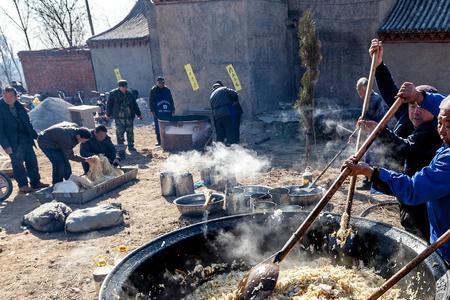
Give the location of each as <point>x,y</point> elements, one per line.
<point>419,172</point>
<point>17,135</point>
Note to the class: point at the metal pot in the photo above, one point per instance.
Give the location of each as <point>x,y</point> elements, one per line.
<point>300,196</point>
<point>263,206</point>
<point>184,184</point>
<point>192,205</point>
<point>254,189</point>
<point>235,201</point>
<point>167,184</point>
<point>280,195</point>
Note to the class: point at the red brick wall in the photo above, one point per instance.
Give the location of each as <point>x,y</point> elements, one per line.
<point>48,71</point>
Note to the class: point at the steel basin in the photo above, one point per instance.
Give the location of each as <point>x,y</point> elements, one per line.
<point>255,189</point>
<point>378,246</point>
<point>299,196</point>
<point>192,205</point>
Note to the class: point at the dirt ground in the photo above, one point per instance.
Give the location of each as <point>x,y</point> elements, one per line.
<point>59,265</point>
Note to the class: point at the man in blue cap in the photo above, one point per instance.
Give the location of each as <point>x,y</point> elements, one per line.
<point>161,104</point>
<point>430,185</point>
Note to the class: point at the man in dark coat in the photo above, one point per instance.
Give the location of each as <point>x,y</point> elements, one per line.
<point>161,104</point>
<point>226,112</point>
<point>99,143</point>
<point>17,139</point>
<point>57,143</point>
<point>413,141</point>
<point>122,106</point>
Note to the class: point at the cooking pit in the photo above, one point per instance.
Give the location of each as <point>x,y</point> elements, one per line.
<point>161,268</point>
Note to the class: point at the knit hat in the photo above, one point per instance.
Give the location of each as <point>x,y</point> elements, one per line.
<point>431,102</point>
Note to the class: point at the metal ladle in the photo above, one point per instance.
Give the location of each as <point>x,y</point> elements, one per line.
<point>261,280</point>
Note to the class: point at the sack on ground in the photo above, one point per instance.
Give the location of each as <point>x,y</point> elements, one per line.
<point>94,218</point>
<point>48,217</point>
<point>66,187</point>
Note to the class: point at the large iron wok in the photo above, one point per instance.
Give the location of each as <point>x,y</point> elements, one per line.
<point>385,248</point>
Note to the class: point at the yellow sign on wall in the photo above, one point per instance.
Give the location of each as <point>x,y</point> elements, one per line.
<point>191,76</point>
<point>117,73</point>
<point>234,78</point>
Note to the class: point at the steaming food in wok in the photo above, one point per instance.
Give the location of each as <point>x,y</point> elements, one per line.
<point>318,281</point>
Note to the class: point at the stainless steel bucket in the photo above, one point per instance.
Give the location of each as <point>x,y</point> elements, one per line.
<point>167,184</point>
<point>235,202</point>
<point>280,195</point>
<point>219,181</point>
<point>184,184</point>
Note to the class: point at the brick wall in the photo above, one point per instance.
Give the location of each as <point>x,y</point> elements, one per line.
<point>48,71</point>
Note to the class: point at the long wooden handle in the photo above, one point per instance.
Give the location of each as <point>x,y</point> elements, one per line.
<point>301,230</point>
<point>334,158</point>
<point>410,266</point>
<point>208,198</point>
<point>351,189</point>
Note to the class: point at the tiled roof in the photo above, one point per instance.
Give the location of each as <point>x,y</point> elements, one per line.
<point>417,19</point>
<point>133,27</point>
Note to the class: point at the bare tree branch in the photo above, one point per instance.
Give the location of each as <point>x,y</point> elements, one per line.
<point>21,21</point>
<point>8,64</point>
<point>62,21</point>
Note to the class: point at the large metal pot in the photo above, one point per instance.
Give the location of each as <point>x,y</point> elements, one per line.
<point>184,133</point>
<point>167,180</point>
<point>184,184</point>
<point>192,205</point>
<point>376,245</point>
<point>300,196</point>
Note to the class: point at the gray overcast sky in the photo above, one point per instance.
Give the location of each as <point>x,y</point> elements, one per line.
<point>105,13</point>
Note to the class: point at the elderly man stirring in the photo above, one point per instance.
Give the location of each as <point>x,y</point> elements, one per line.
<point>410,147</point>
<point>431,185</point>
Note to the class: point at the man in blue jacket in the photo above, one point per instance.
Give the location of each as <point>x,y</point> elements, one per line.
<point>17,137</point>
<point>161,104</point>
<point>99,143</point>
<point>431,185</point>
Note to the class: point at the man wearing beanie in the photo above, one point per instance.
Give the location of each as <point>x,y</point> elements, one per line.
<point>413,141</point>
<point>430,185</point>
<point>122,106</point>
